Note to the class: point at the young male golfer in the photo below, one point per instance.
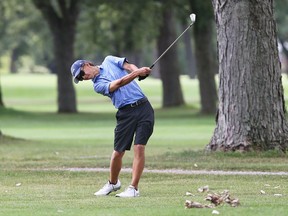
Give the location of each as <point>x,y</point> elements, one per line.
<point>135,116</point>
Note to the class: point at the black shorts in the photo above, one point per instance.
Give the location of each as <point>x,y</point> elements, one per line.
<point>135,121</point>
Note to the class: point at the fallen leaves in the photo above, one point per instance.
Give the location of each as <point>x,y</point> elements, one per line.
<point>189,194</point>
<point>262,192</point>
<point>192,204</point>
<point>215,212</point>
<point>203,189</point>
<point>279,195</point>
<point>215,199</point>
<point>224,197</point>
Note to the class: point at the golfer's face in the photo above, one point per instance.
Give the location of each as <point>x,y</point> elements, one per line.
<point>89,71</point>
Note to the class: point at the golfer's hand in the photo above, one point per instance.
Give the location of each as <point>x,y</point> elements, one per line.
<point>144,72</point>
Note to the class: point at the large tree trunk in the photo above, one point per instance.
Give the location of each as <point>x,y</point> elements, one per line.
<point>251,104</point>
<point>169,64</point>
<point>206,66</point>
<point>62,23</point>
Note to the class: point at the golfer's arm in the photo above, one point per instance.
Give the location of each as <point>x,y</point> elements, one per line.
<point>114,85</point>
<point>132,70</point>
<point>129,67</point>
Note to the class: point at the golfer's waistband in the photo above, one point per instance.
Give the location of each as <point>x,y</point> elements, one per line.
<point>137,103</point>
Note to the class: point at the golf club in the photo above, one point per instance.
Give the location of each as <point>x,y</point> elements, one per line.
<point>193,19</point>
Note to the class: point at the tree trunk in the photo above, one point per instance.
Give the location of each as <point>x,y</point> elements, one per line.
<point>251,112</point>
<point>14,59</point>
<point>169,64</point>
<point>1,98</point>
<point>206,66</point>
<point>62,23</point>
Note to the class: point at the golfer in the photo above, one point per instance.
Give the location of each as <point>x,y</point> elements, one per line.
<point>135,116</point>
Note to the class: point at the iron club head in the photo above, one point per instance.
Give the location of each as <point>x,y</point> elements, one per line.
<point>193,17</point>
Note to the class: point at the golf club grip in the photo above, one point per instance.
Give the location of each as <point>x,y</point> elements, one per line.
<point>144,77</point>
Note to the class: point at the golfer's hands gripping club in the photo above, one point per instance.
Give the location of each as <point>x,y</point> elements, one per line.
<point>144,77</point>
<point>143,73</point>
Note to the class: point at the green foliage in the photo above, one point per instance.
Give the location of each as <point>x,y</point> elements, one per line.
<point>23,32</point>
<point>104,27</point>
<point>115,27</point>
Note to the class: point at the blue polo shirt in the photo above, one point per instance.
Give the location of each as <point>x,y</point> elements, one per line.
<point>112,69</point>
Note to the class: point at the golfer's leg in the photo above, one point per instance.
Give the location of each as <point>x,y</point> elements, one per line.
<point>115,166</point>
<point>138,164</point>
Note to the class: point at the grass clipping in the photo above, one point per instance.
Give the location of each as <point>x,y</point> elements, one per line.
<point>214,199</point>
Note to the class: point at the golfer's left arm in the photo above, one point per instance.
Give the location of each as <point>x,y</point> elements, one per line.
<point>129,67</point>
<point>134,73</point>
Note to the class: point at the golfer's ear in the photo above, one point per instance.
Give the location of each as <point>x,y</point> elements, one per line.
<point>90,63</point>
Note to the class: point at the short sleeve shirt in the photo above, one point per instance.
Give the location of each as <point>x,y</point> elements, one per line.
<point>112,69</point>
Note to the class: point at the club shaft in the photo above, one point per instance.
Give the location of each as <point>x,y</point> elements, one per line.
<point>170,46</point>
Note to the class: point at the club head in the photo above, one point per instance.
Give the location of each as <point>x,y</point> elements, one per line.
<point>193,17</point>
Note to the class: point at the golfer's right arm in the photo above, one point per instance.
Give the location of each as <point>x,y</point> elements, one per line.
<point>114,85</point>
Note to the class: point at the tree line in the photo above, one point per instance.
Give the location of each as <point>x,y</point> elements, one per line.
<point>65,30</point>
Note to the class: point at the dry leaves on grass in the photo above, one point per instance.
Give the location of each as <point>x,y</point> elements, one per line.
<point>203,189</point>
<point>262,192</point>
<point>214,198</point>
<point>192,204</point>
<point>224,197</point>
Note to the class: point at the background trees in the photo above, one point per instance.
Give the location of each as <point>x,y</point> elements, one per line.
<point>104,27</point>
<point>62,19</point>
<point>205,50</point>
<point>169,65</point>
<point>140,32</point>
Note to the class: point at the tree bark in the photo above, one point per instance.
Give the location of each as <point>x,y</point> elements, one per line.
<point>62,23</point>
<point>251,112</point>
<point>169,64</point>
<point>206,66</point>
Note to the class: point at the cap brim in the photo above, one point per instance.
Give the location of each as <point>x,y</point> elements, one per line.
<point>76,81</point>
<point>75,77</point>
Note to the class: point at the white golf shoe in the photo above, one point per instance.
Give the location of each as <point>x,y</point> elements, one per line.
<point>108,188</point>
<point>129,192</point>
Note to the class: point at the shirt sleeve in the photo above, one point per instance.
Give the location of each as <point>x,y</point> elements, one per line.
<point>102,88</point>
<point>118,61</point>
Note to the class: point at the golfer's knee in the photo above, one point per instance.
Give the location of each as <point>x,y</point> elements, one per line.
<point>139,150</point>
<point>117,155</point>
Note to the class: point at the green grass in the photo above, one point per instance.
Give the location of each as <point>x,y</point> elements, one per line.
<point>71,193</point>
<point>38,140</point>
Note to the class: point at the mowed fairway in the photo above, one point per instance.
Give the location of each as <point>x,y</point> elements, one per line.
<point>40,144</point>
